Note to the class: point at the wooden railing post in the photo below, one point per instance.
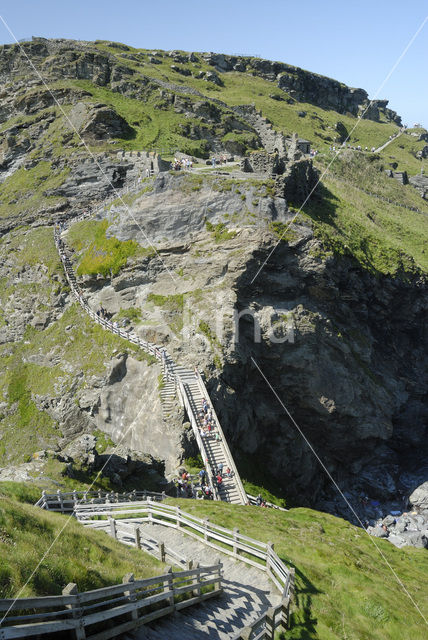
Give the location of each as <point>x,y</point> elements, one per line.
<point>169,585</point>
<point>113,528</point>
<point>137,536</point>
<point>161,551</point>
<point>292,581</point>
<point>235,542</point>
<point>130,593</point>
<point>76,612</point>
<point>60,500</point>
<point>217,584</point>
<point>178,512</point>
<point>45,503</point>
<point>268,554</point>
<point>197,582</point>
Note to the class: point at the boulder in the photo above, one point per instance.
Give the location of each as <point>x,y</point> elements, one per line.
<point>82,450</point>
<point>99,122</point>
<point>419,498</point>
<point>211,76</point>
<point>416,539</point>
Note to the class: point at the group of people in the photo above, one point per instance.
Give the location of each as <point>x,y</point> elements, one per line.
<point>207,421</point>
<point>220,474</point>
<point>182,163</point>
<point>261,502</point>
<point>103,313</point>
<point>221,160</point>
<point>186,487</point>
<point>348,146</point>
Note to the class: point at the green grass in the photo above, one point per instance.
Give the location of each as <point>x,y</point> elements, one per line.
<point>367,172</point>
<point>36,246</point>
<point>343,587</point>
<point>174,303</point>
<point>100,254</point>
<point>215,345</point>
<point>84,347</point>
<point>403,150</point>
<point>283,232</point>
<point>219,232</point>
<point>382,238</point>
<point>25,189</point>
<point>132,313</point>
<point>89,558</point>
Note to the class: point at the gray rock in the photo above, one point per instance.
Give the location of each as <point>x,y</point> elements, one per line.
<point>419,498</point>
<point>377,532</point>
<point>211,76</point>
<point>415,539</point>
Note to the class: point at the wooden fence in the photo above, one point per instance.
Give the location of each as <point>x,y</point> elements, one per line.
<point>264,628</point>
<point>107,612</point>
<point>231,542</point>
<point>65,502</point>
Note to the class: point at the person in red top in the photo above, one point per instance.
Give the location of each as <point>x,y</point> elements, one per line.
<point>219,479</point>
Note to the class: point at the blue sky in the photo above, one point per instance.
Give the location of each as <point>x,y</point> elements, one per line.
<point>354,42</point>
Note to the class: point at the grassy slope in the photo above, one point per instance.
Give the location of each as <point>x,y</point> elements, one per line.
<point>89,558</point>
<point>70,344</point>
<point>344,588</point>
<point>26,189</point>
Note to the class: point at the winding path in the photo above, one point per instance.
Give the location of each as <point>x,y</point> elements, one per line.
<point>383,146</point>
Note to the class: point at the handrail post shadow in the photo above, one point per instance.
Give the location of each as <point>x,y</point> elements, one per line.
<point>284,622</point>
<point>270,624</point>
<point>76,612</point>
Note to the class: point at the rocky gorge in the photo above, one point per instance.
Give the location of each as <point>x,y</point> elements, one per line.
<point>220,269</point>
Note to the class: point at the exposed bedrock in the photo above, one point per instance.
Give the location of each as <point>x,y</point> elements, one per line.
<point>355,377</point>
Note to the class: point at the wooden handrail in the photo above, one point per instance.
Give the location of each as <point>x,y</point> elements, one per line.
<point>254,552</point>
<point>226,450</point>
<point>110,603</point>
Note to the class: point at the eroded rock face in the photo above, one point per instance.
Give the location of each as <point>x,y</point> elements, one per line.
<point>130,411</point>
<point>346,334</point>
<point>99,122</point>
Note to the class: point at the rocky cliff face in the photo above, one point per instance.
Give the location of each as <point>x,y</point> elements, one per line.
<point>340,346</point>
<point>346,350</point>
<point>305,86</point>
